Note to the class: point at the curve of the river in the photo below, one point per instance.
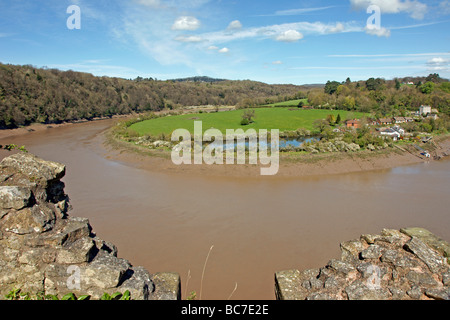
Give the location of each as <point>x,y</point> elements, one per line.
<point>168,222</point>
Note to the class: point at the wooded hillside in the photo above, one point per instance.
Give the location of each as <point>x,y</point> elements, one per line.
<point>397,97</point>
<point>30,95</point>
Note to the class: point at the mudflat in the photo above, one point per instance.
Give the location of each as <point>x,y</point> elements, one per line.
<point>290,165</point>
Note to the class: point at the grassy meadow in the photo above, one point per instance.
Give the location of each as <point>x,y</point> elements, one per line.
<point>284,119</point>
<point>290,103</point>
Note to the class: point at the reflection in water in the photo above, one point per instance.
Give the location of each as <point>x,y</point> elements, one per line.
<point>295,143</point>
<point>257,226</point>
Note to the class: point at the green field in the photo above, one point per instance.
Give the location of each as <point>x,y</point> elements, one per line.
<point>266,118</point>
<point>290,103</point>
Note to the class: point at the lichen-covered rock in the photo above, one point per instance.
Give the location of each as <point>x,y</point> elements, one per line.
<point>430,257</point>
<point>28,220</point>
<point>288,285</point>
<point>43,249</point>
<point>14,197</point>
<point>395,265</point>
<point>443,247</point>
<point>36,169</point>
<point>167,286</point>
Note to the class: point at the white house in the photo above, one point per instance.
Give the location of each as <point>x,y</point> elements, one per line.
<point>424,110</point>
<point>399,120</point>
<point>390,132</point>
<point>399,130</point>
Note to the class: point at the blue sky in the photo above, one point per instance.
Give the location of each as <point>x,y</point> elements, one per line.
<point>298,42</point>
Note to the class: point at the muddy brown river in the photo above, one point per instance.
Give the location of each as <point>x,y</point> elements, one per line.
<point>168,222</point>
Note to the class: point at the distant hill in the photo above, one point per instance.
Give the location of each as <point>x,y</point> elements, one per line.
<point>198,79</point>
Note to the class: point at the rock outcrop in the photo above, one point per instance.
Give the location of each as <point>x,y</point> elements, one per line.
<point>406,264</point>
<point>44,250</point>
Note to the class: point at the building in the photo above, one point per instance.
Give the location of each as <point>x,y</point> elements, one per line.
<point>424,110</point>
<point>353,124</point>
<point>372,122</point>
<point>409,119</point>
<point>433,116</point>
<point>399,130</point>
<point>391,133</point>
<point>384,121</point>
<point>399,120</point>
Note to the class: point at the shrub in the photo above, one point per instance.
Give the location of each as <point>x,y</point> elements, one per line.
<point>245,122</point>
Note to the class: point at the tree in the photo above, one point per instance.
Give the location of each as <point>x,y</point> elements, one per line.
<point>434,77</point>
<point>331,87</point>
<point>247,117</point>
<point>244,122</point>
<point>338,119</point>
<point>349,103</point>
<point>317,98</point>
<point>321,125</point>
<point>373,84</point>
<point>343,90</point>
<point>427,88</point>
<point>331,119</point>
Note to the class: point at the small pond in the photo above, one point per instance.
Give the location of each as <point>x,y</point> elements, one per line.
<point>286,142</point>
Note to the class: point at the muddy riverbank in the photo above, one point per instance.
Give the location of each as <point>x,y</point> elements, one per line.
<point>291,164</point>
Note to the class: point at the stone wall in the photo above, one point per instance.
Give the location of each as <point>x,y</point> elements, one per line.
<point>406,264</point>
<point>44,250</point>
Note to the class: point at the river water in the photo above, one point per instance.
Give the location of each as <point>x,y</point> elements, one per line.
<point>168,223</point>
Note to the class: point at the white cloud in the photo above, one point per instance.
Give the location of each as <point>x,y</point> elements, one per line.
<point>223,50</point>
<point>186,23</point>
<point>404,55</point>
<point>292,12</point>
<point>414,8</point>
<point>379,32</point>
<point>151,32</point>
<point>338,28</point>
<point>444,7</point>
<point>150,3</point>
<point>189,39</point>
<point>287,31</point>
<point>277,62</point>
<point>438,63</point>
<point>235,25</point>
<point>289,36</point>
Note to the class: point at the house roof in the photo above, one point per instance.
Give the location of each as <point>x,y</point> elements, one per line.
<point>390,131</point>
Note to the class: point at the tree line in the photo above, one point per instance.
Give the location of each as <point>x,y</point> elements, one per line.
<point>41,95</point>
<point>397,97</point>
